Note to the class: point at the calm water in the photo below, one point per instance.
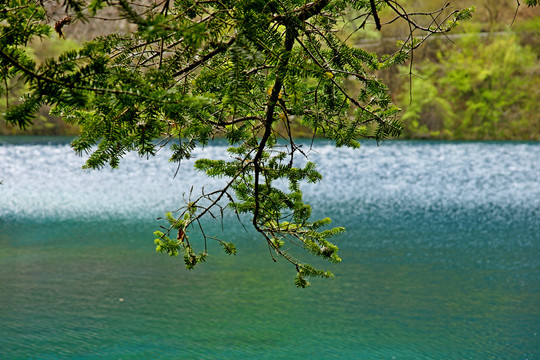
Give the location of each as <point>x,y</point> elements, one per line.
<point>441,260</point>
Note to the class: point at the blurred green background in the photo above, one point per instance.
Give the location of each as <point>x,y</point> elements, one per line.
<point>481,82</point>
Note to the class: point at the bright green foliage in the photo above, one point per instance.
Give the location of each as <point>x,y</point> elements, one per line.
<point>165,244</point>
<point>485,90</point>
<point>193,70</point>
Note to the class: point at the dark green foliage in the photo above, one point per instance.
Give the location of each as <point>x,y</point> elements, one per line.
<point>23,114</point>
<point>237,69</point>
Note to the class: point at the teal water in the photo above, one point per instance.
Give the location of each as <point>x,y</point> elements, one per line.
<point>441,260</point>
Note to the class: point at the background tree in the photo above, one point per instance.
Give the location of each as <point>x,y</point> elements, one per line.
<point>193,70</point>
<point>487,90</point>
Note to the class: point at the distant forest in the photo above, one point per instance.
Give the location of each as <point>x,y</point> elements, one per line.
<point>481,82</point>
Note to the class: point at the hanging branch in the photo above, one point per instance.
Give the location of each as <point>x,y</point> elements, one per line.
<point>194,70</point>
<point>374,14</point>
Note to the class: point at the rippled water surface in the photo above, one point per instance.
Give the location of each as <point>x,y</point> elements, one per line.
<point>441,260</point>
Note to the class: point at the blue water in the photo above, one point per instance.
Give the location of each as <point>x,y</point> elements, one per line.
<point>441,259</point>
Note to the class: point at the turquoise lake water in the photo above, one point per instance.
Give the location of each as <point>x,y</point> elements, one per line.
<point>441,259</point>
